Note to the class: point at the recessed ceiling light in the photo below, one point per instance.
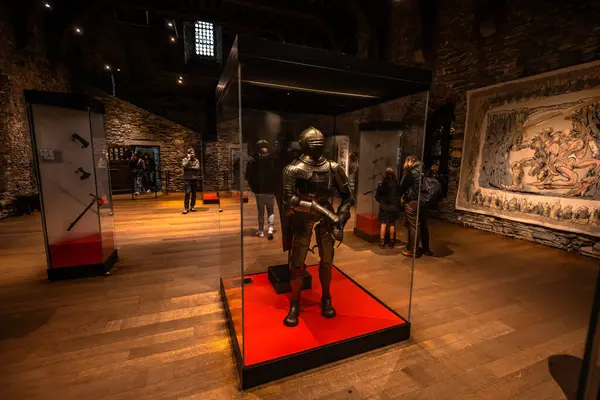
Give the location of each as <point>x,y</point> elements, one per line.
<point>47,5</point>
<point>78,30</point>
<point>107,67</point>
<point>172,39</point>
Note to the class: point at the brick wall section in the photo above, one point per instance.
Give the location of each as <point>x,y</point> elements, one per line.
<point>535,37</point>
<point>125,122</point>
<point>20,69</point>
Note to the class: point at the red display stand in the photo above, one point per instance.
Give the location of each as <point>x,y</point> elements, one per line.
<point>236,196</point>
<point>210,198</point>
<point>367,227</point>
<point>272,350</point>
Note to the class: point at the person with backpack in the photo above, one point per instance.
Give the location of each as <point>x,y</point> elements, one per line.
<point>388,197</point>
<point>410,186</point>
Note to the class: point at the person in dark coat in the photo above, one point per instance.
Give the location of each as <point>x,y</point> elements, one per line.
<point>409,189</point>
<point>191,176</point>
<point>388,197</point>
<point>262,179</point>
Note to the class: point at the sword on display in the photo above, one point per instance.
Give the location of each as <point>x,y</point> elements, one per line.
<point>95,200</point>
<point>374,176</point>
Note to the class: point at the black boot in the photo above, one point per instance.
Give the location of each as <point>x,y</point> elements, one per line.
<point>382,243</point>
<point>392,243</point>
<point>327,309</point>
<point>291,319</point>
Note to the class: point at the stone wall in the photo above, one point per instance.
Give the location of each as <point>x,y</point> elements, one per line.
<point>127,124</point>
<point>531,37</point>
<point>21,69</point>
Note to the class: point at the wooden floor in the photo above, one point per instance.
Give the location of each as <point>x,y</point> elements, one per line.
<point>490,315</point>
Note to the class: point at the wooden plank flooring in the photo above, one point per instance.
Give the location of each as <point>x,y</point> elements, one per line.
<point>487,314</point>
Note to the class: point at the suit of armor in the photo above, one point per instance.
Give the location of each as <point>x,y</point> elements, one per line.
<point>309,182</point>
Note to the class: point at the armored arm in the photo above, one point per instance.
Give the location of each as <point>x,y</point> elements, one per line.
<point>343,187</point>
<point>291,200</point>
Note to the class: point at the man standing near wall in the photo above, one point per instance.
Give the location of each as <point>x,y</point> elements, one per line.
<point>191,175</point>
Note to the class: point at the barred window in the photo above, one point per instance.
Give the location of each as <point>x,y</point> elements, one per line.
<point>205,39</point>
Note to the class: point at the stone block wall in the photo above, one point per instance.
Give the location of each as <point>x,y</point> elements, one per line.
<point>127,124</point>
<point>21,69</point>
<point>531,38</point>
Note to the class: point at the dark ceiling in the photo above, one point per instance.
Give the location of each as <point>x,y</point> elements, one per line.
<point>292,78</point>
<point>133,36</point>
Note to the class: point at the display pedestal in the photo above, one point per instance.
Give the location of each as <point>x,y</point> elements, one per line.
<point>367,227</point>
<point>279,276</point>
<point>236,196</point>
<point>210,198</point>
<point>83,271</point>
<point>272,350</point>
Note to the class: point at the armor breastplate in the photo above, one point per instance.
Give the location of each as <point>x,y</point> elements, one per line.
<point>316,187</point>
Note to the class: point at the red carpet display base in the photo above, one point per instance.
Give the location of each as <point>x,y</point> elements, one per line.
<point>81,251</point>
<point>210,198</point>
<point>272,350</point>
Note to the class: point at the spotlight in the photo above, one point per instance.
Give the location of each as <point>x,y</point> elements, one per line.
<point>107,67</point>
<point>78,30</point>
<point>170,24</point>
<point>181,78</point>
<point>172,39</point>
<point>118,69</point>
<point>180,81</point>
<point>47,5</point>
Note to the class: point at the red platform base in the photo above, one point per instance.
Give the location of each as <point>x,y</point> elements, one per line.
<point>236,196</point>
<point>83,251</point>
<point>367,227</point>
<point>210,198</point>
<point>272,350</point>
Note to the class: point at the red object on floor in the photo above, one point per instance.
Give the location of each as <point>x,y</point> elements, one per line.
<point>266,338</point>
<point>83,251</point>
<point>210,197</point>
<point>367,223</point>
<point>236,196</point>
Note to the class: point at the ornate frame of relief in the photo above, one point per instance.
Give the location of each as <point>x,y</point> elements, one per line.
<point>532,150</point>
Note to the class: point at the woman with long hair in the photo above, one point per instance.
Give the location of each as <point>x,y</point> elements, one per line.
<point>388,197</point>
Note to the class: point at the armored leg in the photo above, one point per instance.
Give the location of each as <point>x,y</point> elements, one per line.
<point>325,243</point>
<point>302,235</point>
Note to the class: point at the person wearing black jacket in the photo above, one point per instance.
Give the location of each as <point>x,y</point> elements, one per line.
<point>262,179</point>
<point>409,188</point>
<point>191,176</point>
<point>388,197</point>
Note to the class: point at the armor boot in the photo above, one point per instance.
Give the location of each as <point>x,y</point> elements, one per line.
<point>327,309</point>
<point>325,244</point>
<point>291,319</point>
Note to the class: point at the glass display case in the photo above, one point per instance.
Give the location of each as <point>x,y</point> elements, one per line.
<point>299,289</point>
<point>70,153</point>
